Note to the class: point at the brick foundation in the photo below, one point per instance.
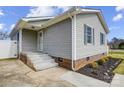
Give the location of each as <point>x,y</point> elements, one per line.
<point>66,63</point>
<point>84,61</point>
<point>26,60</point>
<point>23,58</point>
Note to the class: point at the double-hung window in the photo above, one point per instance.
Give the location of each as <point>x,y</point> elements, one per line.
<point>88,34</point>
<point>102,39</point>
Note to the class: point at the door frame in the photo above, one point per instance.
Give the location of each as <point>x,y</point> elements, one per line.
<point>39,41</point>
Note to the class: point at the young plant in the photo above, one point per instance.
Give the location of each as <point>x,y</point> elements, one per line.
<point>94,65</point>
<point>106,58</point>
<point>101,61</point>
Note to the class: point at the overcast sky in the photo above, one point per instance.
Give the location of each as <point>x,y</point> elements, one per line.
<point>114,16</point>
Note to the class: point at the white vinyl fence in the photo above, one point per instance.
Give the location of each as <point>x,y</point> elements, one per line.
<point>8,49</point>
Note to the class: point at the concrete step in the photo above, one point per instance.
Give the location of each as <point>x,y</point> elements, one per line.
<point>43,57</point>
<point>43,61</point>
<point>36,54</point>
<point>43,66</point>
<point>40,61</point>
<point>40,58</point>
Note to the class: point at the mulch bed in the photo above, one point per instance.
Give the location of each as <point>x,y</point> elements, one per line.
<point>103,72</point>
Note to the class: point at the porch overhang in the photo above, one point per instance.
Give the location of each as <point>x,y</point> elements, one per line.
<point>31,27</point>
<point>24,24</point>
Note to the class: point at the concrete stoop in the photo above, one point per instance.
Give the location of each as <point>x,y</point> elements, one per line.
<point>40,61</point>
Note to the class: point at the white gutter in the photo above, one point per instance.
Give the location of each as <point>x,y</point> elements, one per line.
<point>74,36</point>
<point>73,21</point>
<point>36,18</point>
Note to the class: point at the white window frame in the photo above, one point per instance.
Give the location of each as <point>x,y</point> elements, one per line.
<point>102,43</point>
<point>38,41</point>
<point>87,43</point>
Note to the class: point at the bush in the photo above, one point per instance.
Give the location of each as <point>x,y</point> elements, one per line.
<point>94,65</point>
<point>106,58</point>
<point>101,61</point>
<point>109,57</point>
<point>121,45</point>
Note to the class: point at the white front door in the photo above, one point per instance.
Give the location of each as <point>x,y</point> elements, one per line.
<point>40,41</point>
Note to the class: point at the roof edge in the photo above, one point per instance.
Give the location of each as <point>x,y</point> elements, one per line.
<point>77,10</point>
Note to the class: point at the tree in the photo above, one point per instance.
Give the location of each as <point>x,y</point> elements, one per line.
<point>116,43</point>
<point>3,35</point>
<point>115,40</point>
<point>121,45</point>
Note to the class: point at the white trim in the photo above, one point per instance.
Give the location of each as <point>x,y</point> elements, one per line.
<point>72,54</point>
<point>37,41</point>
<point>40,41</point>
<point>89,25</point>
<point>91,34</point>
<point>20,41</point>
<point>103,43</point>
<point>35,18</point>
<point>75,37</point>
<point>90,10</point>
<point>73,40</point>
<point>107,49</point>
<point>17,38</point>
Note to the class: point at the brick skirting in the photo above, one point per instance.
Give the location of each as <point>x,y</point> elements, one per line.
<point>26,60</point>
<point>66,63</point>
<point>23,58</point>
<point>84,61</point>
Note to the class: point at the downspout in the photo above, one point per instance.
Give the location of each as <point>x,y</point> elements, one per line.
<point>73,21</point>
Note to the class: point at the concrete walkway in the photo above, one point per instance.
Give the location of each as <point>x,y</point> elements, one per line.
<point>86,81</point>
<point>82,80</point>
<point>118,81</point>
<point>14,73</point>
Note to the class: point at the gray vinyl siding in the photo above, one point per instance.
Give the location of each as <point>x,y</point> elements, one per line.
<point>83,50</point>
<point>57,39</point>
<point>29,40</point>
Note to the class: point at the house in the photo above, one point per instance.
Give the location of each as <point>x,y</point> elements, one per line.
<point>71,40</point>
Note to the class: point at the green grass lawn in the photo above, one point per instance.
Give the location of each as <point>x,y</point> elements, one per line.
<point>117,53</point>
<point>120,68</point>
<point>7,59</point>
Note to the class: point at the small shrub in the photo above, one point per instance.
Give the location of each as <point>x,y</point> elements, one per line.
<point>101,61</point>
<point>93,65</point>
<point>106,58</point>
<point>109,57</point>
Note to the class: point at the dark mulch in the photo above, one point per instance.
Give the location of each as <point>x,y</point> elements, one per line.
<point>103,72</point>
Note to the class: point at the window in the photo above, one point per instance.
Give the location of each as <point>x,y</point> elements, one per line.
<point>88,35</point>
<point>102,39</point>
